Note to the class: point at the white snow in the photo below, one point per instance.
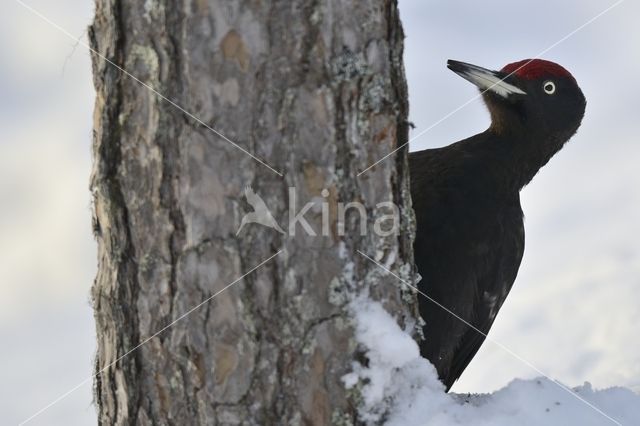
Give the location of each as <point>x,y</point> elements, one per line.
<point>400,388</point>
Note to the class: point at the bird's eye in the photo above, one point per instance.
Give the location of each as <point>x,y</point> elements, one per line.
<point>549,87</point>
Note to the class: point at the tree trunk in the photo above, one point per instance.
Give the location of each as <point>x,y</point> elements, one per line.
<point>314,89</point>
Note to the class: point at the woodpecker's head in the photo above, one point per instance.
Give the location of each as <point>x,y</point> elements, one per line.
<point>533,97</point>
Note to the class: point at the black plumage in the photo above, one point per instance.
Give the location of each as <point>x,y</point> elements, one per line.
<point>470,231</point>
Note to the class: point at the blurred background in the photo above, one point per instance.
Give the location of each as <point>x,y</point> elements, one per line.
<point>574,311</point>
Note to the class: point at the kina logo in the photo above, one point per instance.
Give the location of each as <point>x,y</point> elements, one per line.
<point>260,214</point>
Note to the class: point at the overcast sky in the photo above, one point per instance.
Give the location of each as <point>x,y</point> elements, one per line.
<point>573,312</point>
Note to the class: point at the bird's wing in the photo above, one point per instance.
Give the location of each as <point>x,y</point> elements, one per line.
<point>466,244</point>
<point>255,201</point>
<point>494,288</point>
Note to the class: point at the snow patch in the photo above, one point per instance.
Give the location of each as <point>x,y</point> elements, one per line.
<point>400,388</point>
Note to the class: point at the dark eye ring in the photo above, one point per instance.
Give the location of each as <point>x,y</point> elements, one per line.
<point>549,87</point>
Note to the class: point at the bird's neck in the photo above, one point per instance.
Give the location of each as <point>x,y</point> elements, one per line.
<point>516,157</point>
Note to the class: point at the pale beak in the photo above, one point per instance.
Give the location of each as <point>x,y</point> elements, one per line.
<point>486,80</point>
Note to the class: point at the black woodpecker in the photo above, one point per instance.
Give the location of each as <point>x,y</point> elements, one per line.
<point>466,196</point>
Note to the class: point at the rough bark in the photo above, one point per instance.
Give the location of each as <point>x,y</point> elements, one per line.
<point>317,90</point>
